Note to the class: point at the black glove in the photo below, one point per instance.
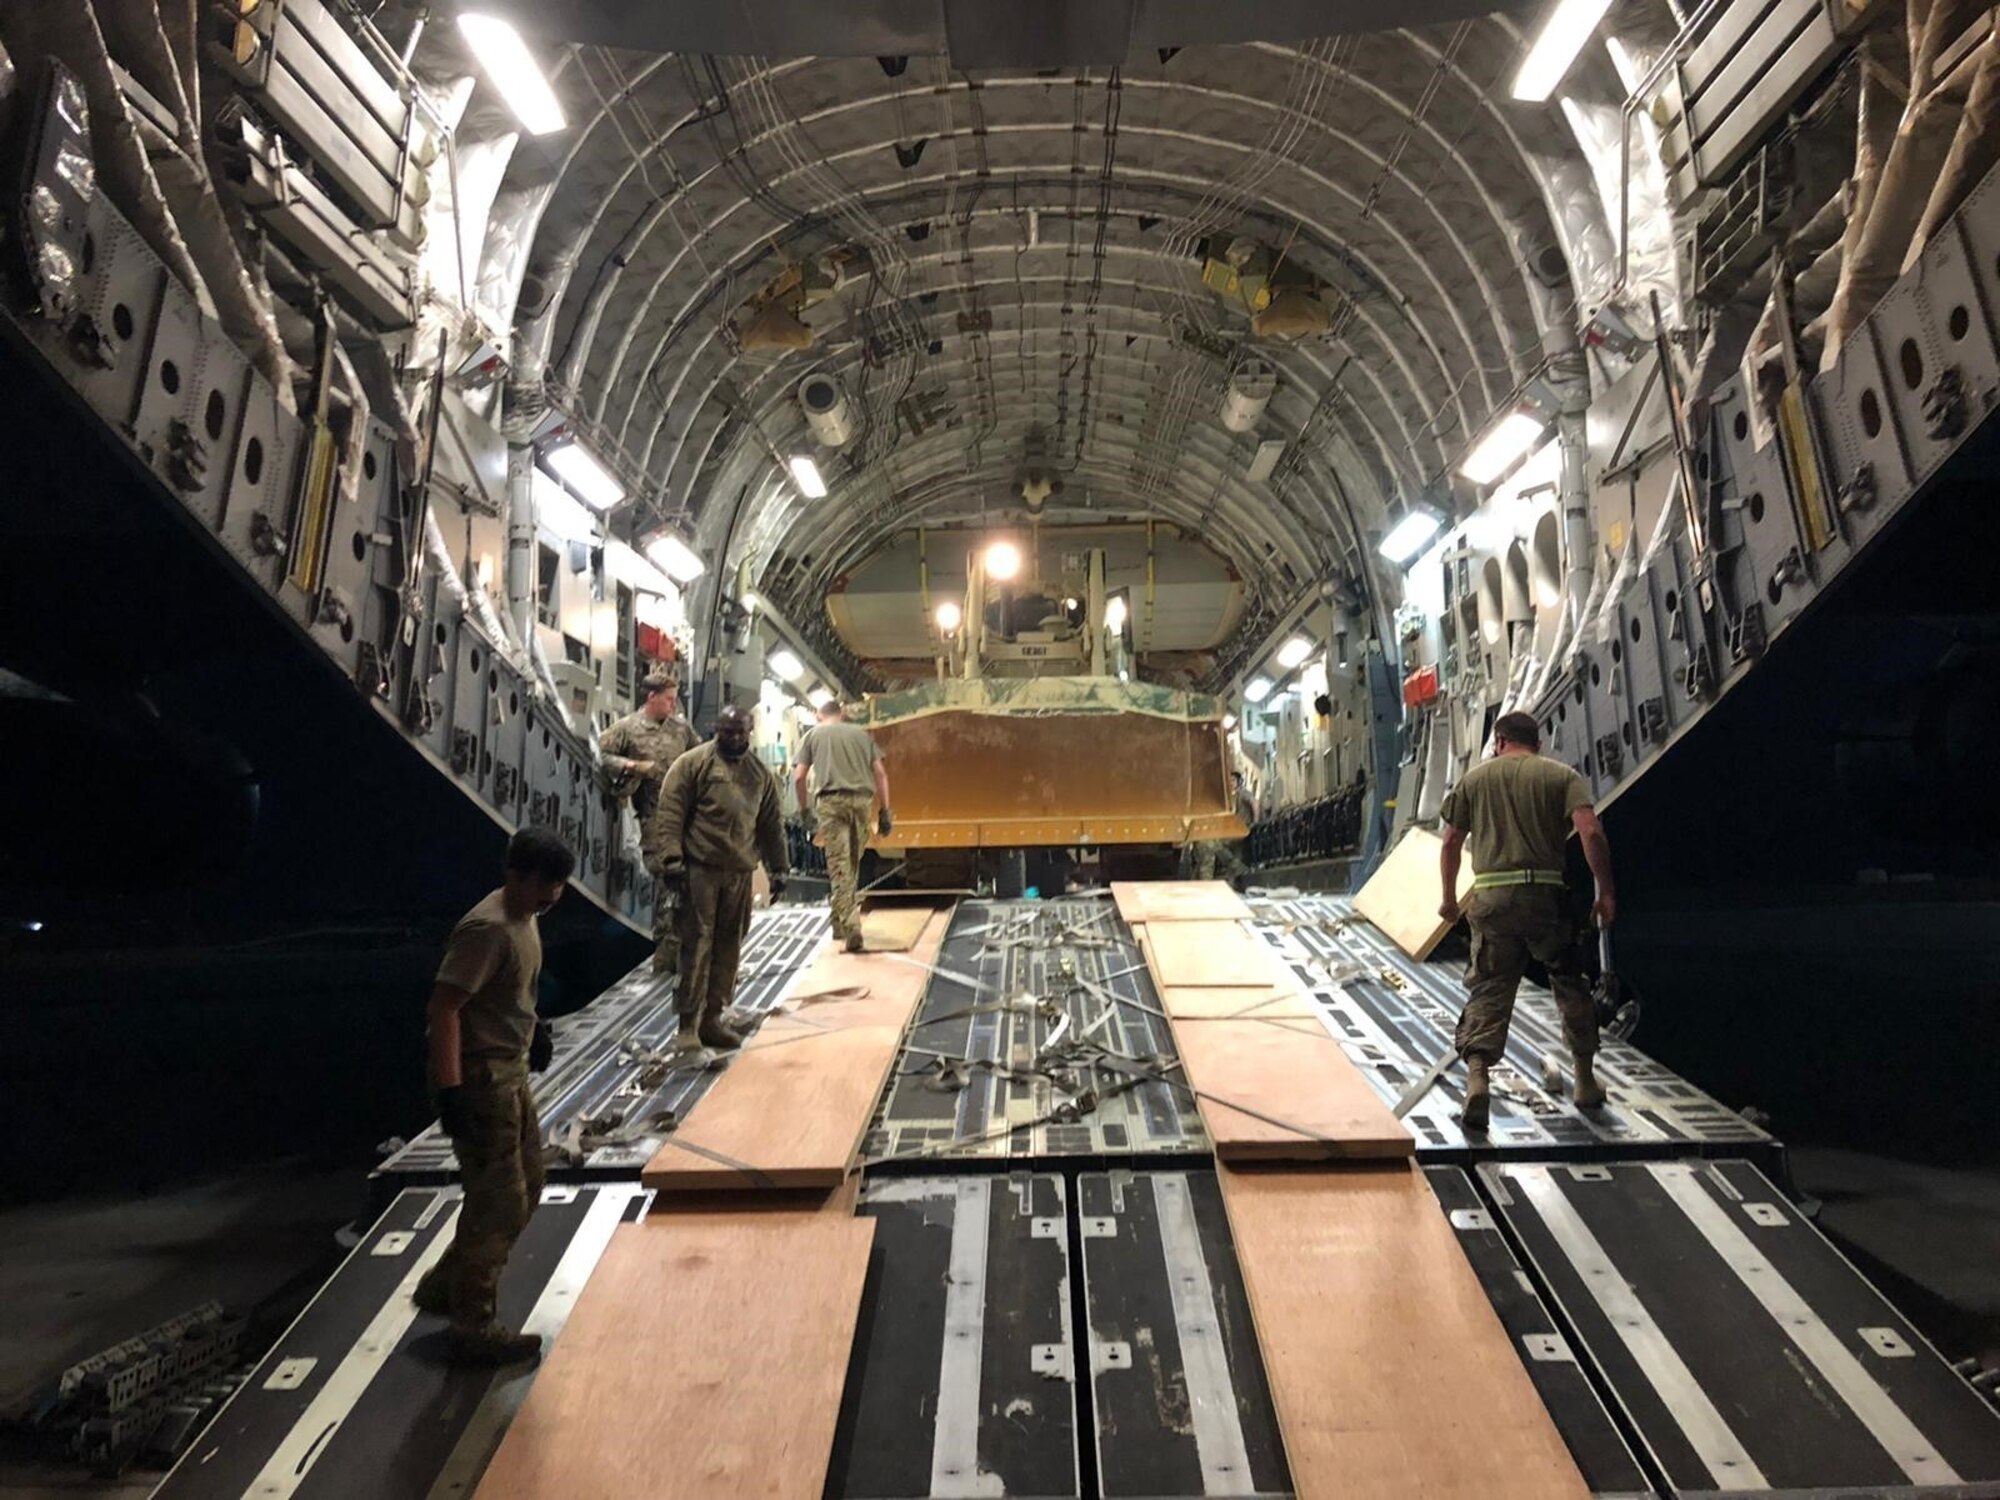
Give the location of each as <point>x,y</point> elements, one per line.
<point>884,821</point>
<point>777,886</point>
<point>673,878</point>
<point>455,1112</point>
<point>542,1050</point>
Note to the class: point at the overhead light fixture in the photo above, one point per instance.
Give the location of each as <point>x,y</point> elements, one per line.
<point>786,664</point>
<point>1003,561</point>
<point>805,474</point>
<point>1407,537</point>
<point>674,557</point>
<point>1294,651</point>
<point>512,70</point>
<point>948,617</point>
<point>587,479</point>
<point>819,696</point>
<point>1228,722</point>
<point>1114,614</point>
<point>1264,462</point>
<point>1256,690</point>
<point>1568,27</point>
<point>1503,444</point>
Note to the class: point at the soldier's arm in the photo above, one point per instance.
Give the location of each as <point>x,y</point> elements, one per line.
<point>614,746</point>
<point>881,782</point>
<point>447,1000</point>
<point>1448,859</point>
<point>801,769</point>
<point>670,816</point>
<point>771,829</point>
<point>1597,854</point>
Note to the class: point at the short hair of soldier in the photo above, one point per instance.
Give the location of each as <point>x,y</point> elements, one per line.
<point>1518,729</point>
<point>833,708</point>
<point>540,854</point>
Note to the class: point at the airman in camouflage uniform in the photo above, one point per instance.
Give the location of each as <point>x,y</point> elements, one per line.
<point>484,1041</point>
<point>638,750</point>
<point>1210,857</point>
<point>718,812</point>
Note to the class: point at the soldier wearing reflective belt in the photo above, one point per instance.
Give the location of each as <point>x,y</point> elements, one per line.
<point>1516,811</point>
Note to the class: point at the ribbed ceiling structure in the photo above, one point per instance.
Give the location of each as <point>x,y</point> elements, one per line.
<point>1027,262</point>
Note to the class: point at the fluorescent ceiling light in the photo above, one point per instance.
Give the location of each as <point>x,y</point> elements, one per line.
<point>1228,722</point>
<point>1407,537</point>
<point>805,474</point>
<point>1257,689</point>
<point>948,617</point>
<point>1114,613</point>
<point>512,70</point>
<point>819,696</point>
<point>628,566</point>
<point>786,664</point>
<point>1568,27</point>
<point>1003,561</point>
<point>592,483</point>
<point>1265,461</point>
<point>1501,446</point>
<point>1294,651</point>
<point>675,558</point>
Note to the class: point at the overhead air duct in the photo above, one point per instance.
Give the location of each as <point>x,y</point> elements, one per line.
<point>828,416</point>
<point>1251,386</point>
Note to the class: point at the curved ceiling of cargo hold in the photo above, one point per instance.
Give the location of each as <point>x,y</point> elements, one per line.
<point>1005,259</point>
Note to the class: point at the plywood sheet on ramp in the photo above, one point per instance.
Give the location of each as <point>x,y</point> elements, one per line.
<point>790,1110</point>
<point>1401,897</point>
<point>893,929</point>
<point>1184,1002</point>
<point>1208,953</point>
<point>1391,1372</point>
<point>705,1357</point>
<point>1284,1090</point>
<point>1177,901</point>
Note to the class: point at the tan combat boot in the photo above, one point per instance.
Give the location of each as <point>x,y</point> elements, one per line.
<point>1478,1097</point>
<point>1589,1092</point>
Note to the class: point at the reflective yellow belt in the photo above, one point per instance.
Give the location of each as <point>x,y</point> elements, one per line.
<point>1499,878</point>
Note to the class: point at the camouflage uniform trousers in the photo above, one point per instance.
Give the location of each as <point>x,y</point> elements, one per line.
<point>843,824</point>
<point>1510,925</point>
<point>714,916</point>
<point>500,1170</point>
<point>666,933</point>
<point>1212,859</point>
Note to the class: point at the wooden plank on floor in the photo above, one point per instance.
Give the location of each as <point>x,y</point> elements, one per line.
<point>1301,1098</point>
<point>1401,897</point>
<point>792,1106</point>
<point>1209,953</point>
<point>893,929</point>
<point>1228,1003</point>
<point>1177,901</point>
<point>1391,1373</point>
<point>705,1356</point>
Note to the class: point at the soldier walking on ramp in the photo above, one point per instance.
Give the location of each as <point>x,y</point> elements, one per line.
<point>484,1041</point>
<point>1517,810</point>
<point>718,811</point>
<point>851,775</point>
<point>637,751</point>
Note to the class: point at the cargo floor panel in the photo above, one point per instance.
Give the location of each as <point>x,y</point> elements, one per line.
<point>356,1398</point>
<point>962,1382</point>
<point>998,1062</point>
<point>1178,1389</point>
<point>1602,1455</point>
<point>1396,1016</point>
<point>1746,1353</point>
